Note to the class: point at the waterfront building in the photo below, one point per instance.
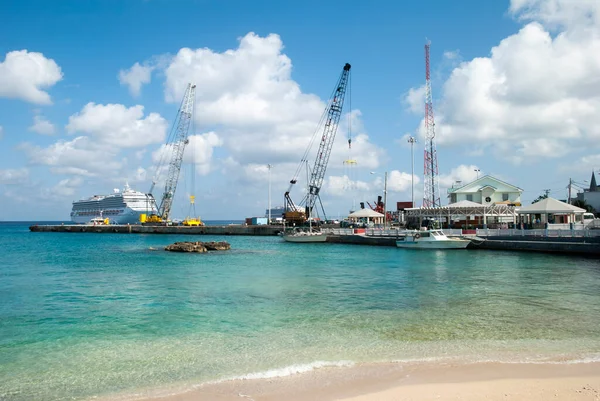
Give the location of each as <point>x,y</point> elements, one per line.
<point>486,190</point>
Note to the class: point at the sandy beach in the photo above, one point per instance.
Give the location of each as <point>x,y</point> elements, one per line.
<point>422,381</point>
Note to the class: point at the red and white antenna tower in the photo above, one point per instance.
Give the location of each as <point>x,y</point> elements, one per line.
<point>431,192</point>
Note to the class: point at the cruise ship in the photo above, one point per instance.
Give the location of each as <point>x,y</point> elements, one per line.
<point>120,207</point>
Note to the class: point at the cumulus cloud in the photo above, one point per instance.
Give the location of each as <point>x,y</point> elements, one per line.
<point>64,189</point>
<point>81,156</point>
<point>533,85</point>
<point>24,75</point>
<point>249,94</point>
<point>13,176</point>
<point>463,173</point>
<point>399,181</point>
<point>415,99</point>
<point>135,77</point>
<point>198,151</point>
<point>42,126</point>
<point>119,126</point>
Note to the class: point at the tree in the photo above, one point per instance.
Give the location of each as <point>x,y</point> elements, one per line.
<point>539,198</point>
<point>582,204</point>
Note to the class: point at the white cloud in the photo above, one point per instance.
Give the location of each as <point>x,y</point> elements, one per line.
<point>42,126</point>
<point>463,173</point>
<point>452,54</point>
<point>198,151</point>
<point>81,156</point>
<point>399,181</point>
<point>579,14</point>
<point>24,74</point>
<point>65,189</point>
<point>119,126</point>
<point>135,77</point>
<point>536,95</point>
<point>13,176</point>
<point>415,99</point>
<point>248,93</point>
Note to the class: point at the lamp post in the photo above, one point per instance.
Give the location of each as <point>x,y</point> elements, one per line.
<point>269,166</point>
<point>477,171</point>
<point>412,142</point>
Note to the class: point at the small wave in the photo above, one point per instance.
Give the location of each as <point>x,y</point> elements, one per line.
<point>289,370</point>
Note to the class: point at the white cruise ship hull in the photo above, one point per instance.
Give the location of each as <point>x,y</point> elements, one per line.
<point>115,216</point>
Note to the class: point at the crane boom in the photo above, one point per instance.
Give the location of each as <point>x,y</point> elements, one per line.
<point>178,142</point>
<point>330,121</point>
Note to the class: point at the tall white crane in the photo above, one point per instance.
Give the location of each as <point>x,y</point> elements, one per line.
<point>176,142</point>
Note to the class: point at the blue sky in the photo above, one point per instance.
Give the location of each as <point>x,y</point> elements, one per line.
<point>490,118</point>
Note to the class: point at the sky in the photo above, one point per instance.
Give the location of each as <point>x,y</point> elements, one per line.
<point>89,91</point>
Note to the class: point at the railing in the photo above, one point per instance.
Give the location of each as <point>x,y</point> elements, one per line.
<point>482,232</point>
<point>491,232</point>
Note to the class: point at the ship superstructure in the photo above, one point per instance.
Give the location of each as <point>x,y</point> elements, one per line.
<point>120,207</point>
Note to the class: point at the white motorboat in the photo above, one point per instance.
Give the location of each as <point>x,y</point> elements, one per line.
<point>431,239</point>
<point>304,235</point>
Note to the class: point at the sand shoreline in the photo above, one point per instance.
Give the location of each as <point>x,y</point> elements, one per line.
<point>413,381</point>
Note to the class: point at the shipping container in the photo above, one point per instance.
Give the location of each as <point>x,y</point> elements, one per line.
<point>259,221</point>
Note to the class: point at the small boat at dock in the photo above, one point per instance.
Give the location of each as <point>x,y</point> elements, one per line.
<point>304,235</point>
<point>430,239</point>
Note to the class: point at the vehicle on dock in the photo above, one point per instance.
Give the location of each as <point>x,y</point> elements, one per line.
<point>430,239</point>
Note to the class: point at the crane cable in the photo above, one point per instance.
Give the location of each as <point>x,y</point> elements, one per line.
<point>170,140</point>
<point>312,140</point>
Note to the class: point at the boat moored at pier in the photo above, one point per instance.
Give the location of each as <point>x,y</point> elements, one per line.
<point>430,239</point>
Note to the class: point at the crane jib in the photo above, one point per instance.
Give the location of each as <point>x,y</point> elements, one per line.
<point>332,116</point>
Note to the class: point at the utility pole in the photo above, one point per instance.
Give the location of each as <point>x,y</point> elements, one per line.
<point>412,142</point>
<point>546,192</point>
<point>269,166</point>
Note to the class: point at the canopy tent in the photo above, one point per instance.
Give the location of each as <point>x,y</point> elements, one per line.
<point>497,212</point>
<point>550,205</point>
<point>561,212</point>
<point>368,214</point>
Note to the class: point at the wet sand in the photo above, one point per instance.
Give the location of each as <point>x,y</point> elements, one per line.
<point>415,381</point>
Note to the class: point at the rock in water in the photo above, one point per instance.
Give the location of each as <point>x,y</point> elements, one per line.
<point>217,246</point>
<point>198,246</point>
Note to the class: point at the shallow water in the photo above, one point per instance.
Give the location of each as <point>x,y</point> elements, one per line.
<point>95,314</point>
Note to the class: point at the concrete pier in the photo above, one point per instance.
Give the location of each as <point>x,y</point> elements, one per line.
<point>237,229</point>
<point>528,243</point>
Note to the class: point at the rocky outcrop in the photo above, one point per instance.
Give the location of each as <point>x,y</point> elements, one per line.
<point>217,246</point>
<point>198,246</point>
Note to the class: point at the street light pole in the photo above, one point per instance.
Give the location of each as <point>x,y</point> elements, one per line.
<point>412,142</point>
<point>477,171</point>
<point>269,166</point>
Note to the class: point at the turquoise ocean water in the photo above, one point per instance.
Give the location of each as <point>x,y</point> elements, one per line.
<point>85,315</point>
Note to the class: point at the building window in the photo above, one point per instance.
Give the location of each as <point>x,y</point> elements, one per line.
<point>504,197</point>
<point>452,198</point>
<point>470,197</point>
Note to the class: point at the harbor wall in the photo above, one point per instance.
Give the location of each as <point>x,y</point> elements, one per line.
<point>258,230</point>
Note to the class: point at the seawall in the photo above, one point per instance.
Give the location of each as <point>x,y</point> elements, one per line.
<point>258,230</point>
